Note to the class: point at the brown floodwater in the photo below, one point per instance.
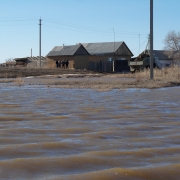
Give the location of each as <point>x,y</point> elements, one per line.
<point>81,134</point>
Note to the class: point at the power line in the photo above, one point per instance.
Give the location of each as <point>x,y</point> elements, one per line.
<point>19,25</point>
<point>68,26</point>
<point>90,32</point>
<point>90,28</point>
<point>10,20</point>
<point>140,45</point>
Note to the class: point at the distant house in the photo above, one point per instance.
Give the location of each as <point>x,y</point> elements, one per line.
<point>31,62</point>
<point>8,64</point>
<point>163,58</point>
<point>77,55</point>
<point>106,56</point>
<point>114,56</point>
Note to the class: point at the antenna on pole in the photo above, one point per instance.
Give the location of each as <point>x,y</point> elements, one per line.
<point>151,39</point>
<point>40,42</point>
<point>139,43</point>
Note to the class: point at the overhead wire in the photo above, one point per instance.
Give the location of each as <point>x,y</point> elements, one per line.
<point>139,47</point>
<point>91,28</point>
<point>70,27</point>
<point>90,32</point>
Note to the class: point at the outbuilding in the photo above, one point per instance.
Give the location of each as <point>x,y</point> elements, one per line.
<point>109,56</point>
<point>31,62</point>
<point>76,55</point>
<point>163,58</point>
<point>104,57</point>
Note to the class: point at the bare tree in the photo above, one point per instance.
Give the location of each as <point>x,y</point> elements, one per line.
<point>172,45</point>
<point>10,60</point>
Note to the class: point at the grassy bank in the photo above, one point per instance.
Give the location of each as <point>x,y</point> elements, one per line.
<point>25,72</point>
<point>103,82</point>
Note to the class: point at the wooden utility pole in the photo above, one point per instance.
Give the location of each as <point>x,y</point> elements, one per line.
<point>114,51</point>
<point>40,42</point>
<point>151,39</point>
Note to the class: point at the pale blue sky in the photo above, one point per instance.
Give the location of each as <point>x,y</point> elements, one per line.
<point>72,21</point>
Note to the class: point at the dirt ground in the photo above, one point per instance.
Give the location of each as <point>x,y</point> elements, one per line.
<point>69,78</point>
<point>25,72</point>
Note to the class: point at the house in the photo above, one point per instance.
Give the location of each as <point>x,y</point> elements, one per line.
<point>105,56</point>
<point>109,56</point>
<point>8,65</point>
<point>77,56</point>
<point>31,62</point>
<point>163,58</point>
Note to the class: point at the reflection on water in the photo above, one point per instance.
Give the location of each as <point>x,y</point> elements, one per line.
<point>53,133</point>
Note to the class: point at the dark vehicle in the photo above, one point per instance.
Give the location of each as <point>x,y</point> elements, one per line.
<point>143,61</point>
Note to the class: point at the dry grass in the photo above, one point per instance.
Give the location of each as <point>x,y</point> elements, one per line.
<point>6,80</point>
<point>171,73</point>
<point>162,78</point>
<point>19,81</point>
<point>104,82</point>
<point>51,63</point>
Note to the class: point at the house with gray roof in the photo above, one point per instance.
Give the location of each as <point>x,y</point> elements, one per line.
<point>163,58</point>
<point>109,56</point>
<point>31,62</point>
<point>76,55</point>
<point>105,56</point>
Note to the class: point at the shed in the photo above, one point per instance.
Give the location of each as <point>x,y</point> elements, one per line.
<point>163,58</point>
<point>109,56</point>
<point>8,64</point>
<point>77,56</point>
<point>31,62</point>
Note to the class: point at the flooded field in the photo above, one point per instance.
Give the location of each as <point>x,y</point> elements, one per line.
<point>75,134</point>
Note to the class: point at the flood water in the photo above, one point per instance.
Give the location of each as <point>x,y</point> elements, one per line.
<point>75,134</point>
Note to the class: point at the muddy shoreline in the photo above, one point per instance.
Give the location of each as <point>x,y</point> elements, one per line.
<point>25,72</point>
<point>83,79</point>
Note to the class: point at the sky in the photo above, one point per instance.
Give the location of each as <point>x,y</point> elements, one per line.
<point>70,22</point>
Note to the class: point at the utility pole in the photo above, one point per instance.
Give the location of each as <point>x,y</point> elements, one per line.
<point>114,50</point>
<point>40,42</point>
<point>139,43</point>
<point>151,39</point>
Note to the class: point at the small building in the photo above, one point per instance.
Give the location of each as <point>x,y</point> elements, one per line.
<point>31,62</point>
<point>106,56</point>
<point>109,56</point>
<point>8,65</point>
<point>163,58</point>
<point>77,56</point>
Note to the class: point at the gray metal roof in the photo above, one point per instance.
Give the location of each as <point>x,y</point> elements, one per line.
<point>102,48</point>
<point>161,54</point>
<point>33,58</point>
<point>64,50</point>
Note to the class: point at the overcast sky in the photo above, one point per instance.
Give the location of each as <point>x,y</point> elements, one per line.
<point>82,21</point>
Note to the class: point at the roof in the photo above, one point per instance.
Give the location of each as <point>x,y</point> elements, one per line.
<point>161,54</point>
<point>64,50</point>
<point>33,58</point>
<point>102,48</point>
<point>10,63</point>
<point>90,48</point>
